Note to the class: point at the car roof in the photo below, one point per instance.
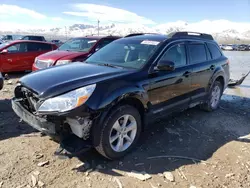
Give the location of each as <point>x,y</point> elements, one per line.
<point>30,41</point>
<point>32,36</point>
<point>155,37</point>
<point>98,37</point>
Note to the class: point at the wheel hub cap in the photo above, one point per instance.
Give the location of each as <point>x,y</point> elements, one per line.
<point>215,96</point>
<point>123,133</point>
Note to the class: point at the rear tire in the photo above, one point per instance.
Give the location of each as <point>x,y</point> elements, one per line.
<point>119,133</point>
<point>214,97</point>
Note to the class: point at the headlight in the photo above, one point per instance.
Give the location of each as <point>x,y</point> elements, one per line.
<point>42,64</point>
<point>62,62</point>
<point>67,101</point>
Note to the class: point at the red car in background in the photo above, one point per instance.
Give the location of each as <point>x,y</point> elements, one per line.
<point>20,55</point>
<point>75,49</point>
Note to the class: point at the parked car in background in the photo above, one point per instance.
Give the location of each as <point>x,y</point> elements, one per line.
<point>106,102</point>
<point>57,42</point>
<point>235,47</point>
<point>228,47</point>
<point>1,81</point>
<point>7,38</point>
<point>243,47</point>
<point>19,55</point>
<point>32,37</point>
<point>75,49</point>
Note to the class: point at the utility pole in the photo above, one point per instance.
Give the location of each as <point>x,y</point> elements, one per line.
<point>66,33</point>
<point>98,22</point>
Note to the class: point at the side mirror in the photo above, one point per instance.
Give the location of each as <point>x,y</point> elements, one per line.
<point>165,65</point>
<point>5,51</point>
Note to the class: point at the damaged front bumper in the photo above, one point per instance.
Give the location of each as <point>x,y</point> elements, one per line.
<point>79,126</point>
<point>36,122</point>
<point>73,133</point>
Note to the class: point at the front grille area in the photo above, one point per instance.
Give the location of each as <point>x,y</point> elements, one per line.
<point>27,98</point>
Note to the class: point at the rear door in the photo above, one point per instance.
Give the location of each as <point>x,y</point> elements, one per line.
<point>36,49</point>
<point>200,60</point>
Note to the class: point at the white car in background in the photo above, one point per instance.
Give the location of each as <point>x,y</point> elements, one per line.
<point>227,47</point>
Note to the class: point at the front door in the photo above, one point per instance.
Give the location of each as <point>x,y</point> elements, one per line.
<point>169,90</point>
<point>16,58</point>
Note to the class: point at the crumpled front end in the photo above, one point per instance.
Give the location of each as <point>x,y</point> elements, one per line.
<point>25,105</point>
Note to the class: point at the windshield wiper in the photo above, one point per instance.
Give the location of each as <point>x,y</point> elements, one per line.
<point>109,65</point>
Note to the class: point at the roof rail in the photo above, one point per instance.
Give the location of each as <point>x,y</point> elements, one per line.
<point>190,34</point>
<point>136,34</point>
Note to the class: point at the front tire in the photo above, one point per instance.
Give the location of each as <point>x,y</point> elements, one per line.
<point>119,133</point>
<point>214,97</point>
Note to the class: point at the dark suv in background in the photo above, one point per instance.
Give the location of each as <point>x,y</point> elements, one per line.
<point>32,37</point>
<point>107,101</point>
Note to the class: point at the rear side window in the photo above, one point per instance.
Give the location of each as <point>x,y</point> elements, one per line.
<point>36,38</point>
<point>39,47</point>
<point>215,52</point>
<point>197,53</point>
<point>44,47</point>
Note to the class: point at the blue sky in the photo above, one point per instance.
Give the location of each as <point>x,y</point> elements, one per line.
<point>148,12</point>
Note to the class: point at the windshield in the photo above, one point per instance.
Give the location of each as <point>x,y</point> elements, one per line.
<point>125,53</point>
<point>78,44</point>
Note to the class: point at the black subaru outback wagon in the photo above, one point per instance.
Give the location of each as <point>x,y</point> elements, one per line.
<point>107,101</point>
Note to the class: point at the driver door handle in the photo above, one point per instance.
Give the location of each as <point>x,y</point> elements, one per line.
<point>187,74</point>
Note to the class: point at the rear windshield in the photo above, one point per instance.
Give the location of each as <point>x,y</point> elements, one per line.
<point>127,53</point>
<point>78,44</point>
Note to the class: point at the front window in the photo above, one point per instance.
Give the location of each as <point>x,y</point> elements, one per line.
<point>78,44</point>
<point>128,53</point>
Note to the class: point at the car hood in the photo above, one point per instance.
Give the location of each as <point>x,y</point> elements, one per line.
<point>60,54</point>
<point>57,80</point>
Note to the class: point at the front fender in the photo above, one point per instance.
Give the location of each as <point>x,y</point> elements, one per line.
<point>115,96</point>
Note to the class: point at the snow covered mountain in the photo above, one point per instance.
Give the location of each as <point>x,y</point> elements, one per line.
<point>220,29</point>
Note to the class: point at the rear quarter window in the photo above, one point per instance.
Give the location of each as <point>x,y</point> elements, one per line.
<point>44,47</point>
<point>214,50</point>
<point>197,53</point>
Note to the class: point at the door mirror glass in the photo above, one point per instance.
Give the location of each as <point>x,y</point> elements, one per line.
<point>5,51</point>
<point>165,65</point>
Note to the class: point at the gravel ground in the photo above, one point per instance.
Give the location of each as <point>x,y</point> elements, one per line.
<point>195,148</point>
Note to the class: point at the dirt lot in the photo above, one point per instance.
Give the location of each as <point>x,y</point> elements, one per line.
<point>218,142</point>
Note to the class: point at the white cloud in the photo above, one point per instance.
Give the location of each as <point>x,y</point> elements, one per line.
<point>56,19</point>
<point>107,14</point>
<point>13,10</point>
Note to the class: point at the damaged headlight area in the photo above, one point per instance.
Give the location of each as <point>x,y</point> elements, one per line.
<point>67,101</point>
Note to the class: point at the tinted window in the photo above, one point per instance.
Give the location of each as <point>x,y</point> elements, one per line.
<point>215,52</point>
<point>197,53</point>
<point>18,48</point>
<point>103,43</point>
<point>44,47</point>
<point>25,38</point>
<point>176,54</point>
<point>36,38</point>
